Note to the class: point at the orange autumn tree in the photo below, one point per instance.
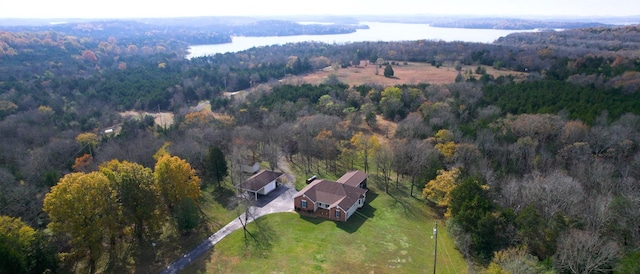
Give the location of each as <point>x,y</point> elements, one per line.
<point>89,56</point>
<point>82,163</point>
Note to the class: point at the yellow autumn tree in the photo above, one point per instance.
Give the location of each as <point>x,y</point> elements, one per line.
<point>88,139</point>
<point>176,180</point>
<point>84,207</point>
<point>366,146</point>
<point>46,110</point>
<point>138,195</point>
<point>162,151</point>
<point>16,245</point>
<point>444,143</point>
<point>447,149</point>
<point>443,136</point>
<point>514,260</point>
<point>198,119</point>
<point>439,189</point>
<point>7,107</point>
<point>16,229</point>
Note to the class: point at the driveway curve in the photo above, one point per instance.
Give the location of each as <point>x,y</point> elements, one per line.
<point>279,200</point>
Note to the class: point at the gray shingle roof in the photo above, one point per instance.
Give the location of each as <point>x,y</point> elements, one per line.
<point>333,193</point>
<point>353,178</point>
<point>260,180</point>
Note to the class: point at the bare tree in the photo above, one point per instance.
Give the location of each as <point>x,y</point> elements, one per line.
<point>187,148</point>
<point>468,156</point>
<point>413,157</point>
<point>574,131</point>
<point>540,127</point>
<point>582,251</point>
<point>552,193</point>
<point>596,213</point>
<point>139,149</point>
<point>236,160</point>
<point>262,235</point>
<point>523,153</point>
<point>413,127</point>
<point>271,153</point>
<point>384,162</point>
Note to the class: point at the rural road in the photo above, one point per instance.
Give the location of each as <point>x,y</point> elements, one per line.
<point>279,200</point>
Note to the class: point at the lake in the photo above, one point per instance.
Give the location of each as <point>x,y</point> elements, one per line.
<point>377,32</point>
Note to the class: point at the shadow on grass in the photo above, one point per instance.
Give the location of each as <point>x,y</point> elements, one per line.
<point>406,207</point>
<point>259,239</point>
<point>357,219</point>
<point>400,193</point>
<point>225,196</point>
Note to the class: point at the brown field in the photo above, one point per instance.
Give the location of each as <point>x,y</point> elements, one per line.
<point>163,119</point>
<point>412,73</point>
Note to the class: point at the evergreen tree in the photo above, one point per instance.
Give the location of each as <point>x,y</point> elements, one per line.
<point>388,71</point>
<point>216,165</point>
<point>459,78</point>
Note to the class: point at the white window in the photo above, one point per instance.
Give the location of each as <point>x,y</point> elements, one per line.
<point>303,204</point>
<point>337,214</point>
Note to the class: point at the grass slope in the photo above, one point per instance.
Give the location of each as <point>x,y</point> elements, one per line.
<point>393,234</point>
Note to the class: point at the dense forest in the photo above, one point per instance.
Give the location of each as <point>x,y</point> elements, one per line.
<point>532,175</point>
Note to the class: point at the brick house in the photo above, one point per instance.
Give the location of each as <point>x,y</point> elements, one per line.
<point>333,200</point>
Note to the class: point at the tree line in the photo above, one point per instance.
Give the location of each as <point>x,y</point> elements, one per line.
<point>521,171</point>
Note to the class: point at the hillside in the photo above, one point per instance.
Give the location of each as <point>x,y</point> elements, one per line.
<point>526,151</point>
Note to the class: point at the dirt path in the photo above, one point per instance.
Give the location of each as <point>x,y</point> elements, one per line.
<point>284,166</point>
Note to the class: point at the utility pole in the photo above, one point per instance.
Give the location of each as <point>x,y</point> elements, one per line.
<point>155,253</point>
<point>435,251</point>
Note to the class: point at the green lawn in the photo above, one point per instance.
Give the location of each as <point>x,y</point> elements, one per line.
<point>393,235</point>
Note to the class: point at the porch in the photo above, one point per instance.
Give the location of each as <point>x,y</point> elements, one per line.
<point>320,212</point>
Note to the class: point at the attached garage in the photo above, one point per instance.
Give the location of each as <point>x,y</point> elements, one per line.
<point>262,183</point>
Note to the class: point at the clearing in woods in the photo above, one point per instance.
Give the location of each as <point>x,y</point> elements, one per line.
<point>411,73</point>
<point>162,119</point>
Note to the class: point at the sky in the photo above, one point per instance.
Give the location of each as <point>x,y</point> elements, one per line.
<point>189,8</point>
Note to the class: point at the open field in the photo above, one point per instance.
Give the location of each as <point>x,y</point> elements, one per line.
<point>412,73</point>
<point>162,119</point>
<point>392,234</point>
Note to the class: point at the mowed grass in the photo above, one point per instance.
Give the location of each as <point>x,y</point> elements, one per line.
<point>393,233</point>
